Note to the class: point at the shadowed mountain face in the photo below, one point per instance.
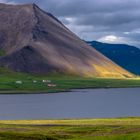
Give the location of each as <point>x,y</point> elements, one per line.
<point>126,56</point>
<point>36,42</point>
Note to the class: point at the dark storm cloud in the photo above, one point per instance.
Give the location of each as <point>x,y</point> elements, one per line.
<point>97,19</point>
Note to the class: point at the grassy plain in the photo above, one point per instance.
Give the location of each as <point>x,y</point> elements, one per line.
<point>63,82</point>
<point>86,129</point>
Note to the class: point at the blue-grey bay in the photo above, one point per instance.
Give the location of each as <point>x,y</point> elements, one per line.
<point>85,103</point>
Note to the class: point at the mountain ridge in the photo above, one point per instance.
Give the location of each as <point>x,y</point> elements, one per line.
<point>26,27</point>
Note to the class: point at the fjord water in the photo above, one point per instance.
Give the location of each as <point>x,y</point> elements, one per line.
<point>86,103</point>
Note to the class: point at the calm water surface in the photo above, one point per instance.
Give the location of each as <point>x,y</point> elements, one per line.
<point>87,103</point>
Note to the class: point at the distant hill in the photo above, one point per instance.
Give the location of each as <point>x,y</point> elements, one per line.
<point>126,56</point>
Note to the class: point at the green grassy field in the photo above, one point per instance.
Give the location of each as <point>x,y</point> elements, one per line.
<point>63,82</point>
<point>86,129</point>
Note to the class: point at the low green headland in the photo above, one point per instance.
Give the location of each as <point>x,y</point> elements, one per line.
<point>86,129</point>
<point>10,82</point>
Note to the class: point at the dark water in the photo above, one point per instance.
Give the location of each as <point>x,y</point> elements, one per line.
<point>87,103</point>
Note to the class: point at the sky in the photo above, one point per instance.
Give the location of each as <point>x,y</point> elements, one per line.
<point>110,21</point>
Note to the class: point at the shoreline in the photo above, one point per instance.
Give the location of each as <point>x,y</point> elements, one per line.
<point>70,90</point>
<point>68,120</point>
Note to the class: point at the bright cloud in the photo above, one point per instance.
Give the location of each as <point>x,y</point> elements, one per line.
<point>112,39</point>
<point>126,33</point>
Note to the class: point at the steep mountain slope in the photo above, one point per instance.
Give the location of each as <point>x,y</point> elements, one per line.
<point>126,56</point>
<point>36,42</point>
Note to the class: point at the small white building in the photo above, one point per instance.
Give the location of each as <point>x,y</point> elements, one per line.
<point>34,81</point>
<point>46,81</point>
<point>51,85</point>
<point>49,81</point>
<point>18,82</point>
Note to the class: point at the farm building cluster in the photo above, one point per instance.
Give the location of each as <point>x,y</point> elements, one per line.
<point>47,82</point>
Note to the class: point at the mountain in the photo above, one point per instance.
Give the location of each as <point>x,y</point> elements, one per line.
<point>126,56</point>
<point>35,41</point>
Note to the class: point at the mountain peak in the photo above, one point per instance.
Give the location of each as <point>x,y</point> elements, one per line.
<point>35,41</point>
<point>31,5</point>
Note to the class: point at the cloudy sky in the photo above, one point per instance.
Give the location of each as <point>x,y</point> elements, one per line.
<point>112,21</point>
